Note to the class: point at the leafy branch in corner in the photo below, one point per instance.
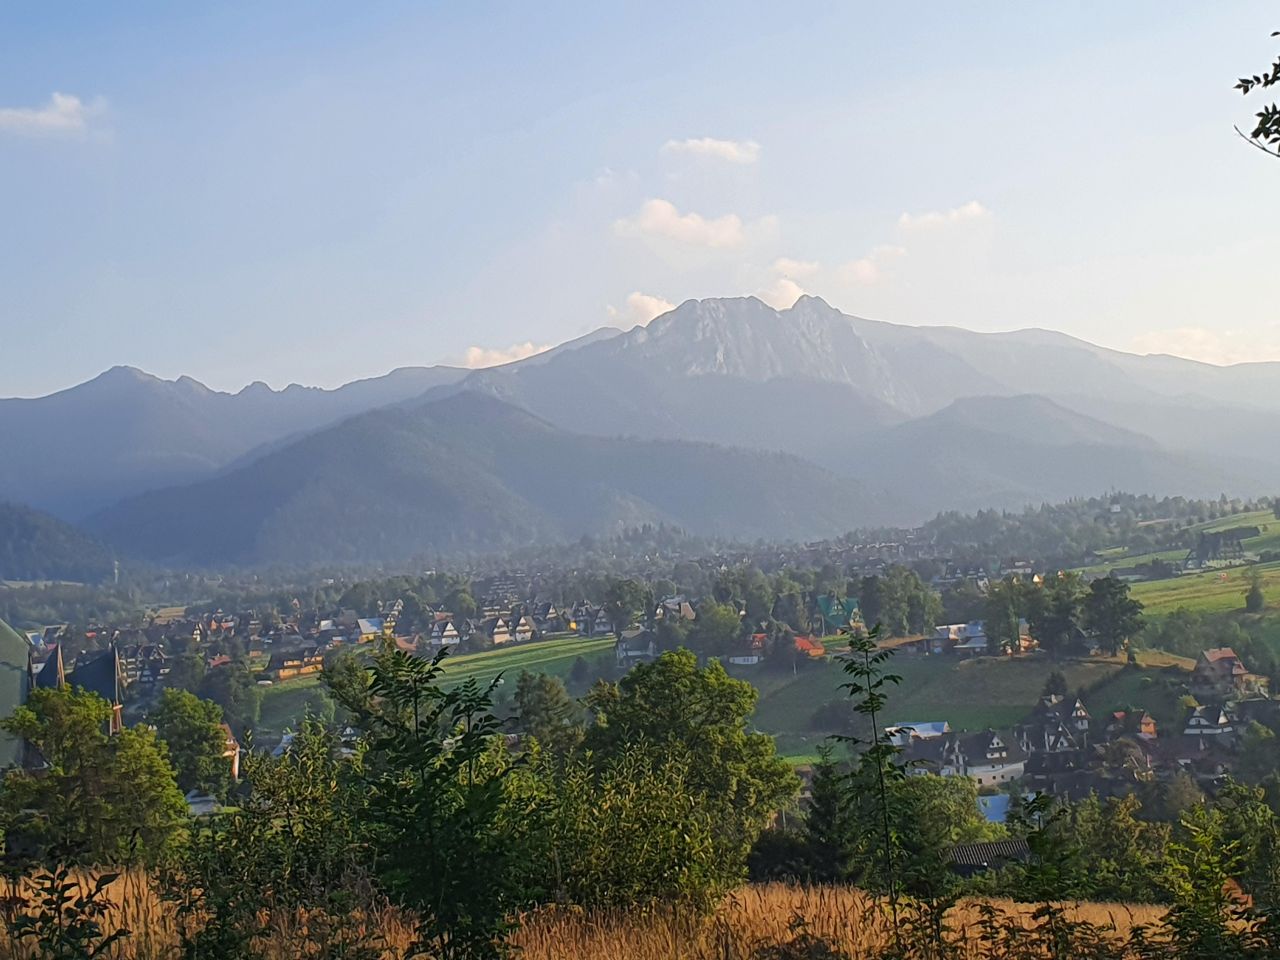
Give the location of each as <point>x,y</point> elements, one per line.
<point>1266,133</point>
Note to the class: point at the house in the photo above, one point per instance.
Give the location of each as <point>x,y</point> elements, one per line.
<point>965,639</point>
<point>445,633</point>
<point>751,651</point>
<point>835,614</point>
<point>809,647</point>
<point>1055,724</point>
<point>524,629</point>
<point>1220,674</point>
<point>496,629</point>
<point>99,673</point>
<point>200,804</point>
<point>297,663</point>
<point>988,757</point>
<point>1208,722</point>
<point>1136,723</point>
<point>144,663</point>
<point>636,646</point>
<point>901,734</point>
<point>995,808</point>
<point>968,859</point>
<point>370,628</point>
<point>675,608</point>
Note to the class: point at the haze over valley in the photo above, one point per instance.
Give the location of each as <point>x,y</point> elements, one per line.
<point>721,417</point>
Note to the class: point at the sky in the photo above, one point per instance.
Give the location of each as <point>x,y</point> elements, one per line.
<point>319,192</point>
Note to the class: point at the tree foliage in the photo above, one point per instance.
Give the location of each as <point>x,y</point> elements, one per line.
<point>191,729</point>
<point>1111,616</point>
<point>1265,134</point>
<point>96,798</point>
<point>546,712</point>
<point>699,716</point>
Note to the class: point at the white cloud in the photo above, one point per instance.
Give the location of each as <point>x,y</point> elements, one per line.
<point>660,218</point>
<point>972,210</point>
<point>63,114</point>
<point>1210,346</point>
<point>639,309</point>
<point>866,270</point>
<point>782,293</point>
<point>477,357</point>
<point>734,151</point>
<point>787,267</point>
<point>783,290</point>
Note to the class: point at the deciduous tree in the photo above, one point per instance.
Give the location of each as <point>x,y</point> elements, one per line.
<point>191,728</point>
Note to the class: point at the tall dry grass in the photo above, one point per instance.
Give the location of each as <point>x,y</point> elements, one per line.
<point>766,915</point>
<point>754,918</point>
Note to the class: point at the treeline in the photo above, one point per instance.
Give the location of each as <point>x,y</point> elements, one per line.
<point>38,546</point>
<point>1065,534</point>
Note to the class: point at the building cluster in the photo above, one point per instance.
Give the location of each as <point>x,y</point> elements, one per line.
<point>1061,748</point>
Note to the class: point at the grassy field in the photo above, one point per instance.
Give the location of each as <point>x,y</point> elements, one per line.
<point>1214,591</point>
<point>1265,520</point>
<point>554,657</point>
<point>1123,559</point>
<point>968,694</point>
<point>284,704</point>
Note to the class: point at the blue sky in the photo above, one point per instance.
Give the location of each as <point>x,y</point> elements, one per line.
<point>320,192</point>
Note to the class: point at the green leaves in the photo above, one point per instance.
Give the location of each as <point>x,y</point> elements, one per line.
<point>434,776</point>
<point>1266,132</point>
<point>70,917</point>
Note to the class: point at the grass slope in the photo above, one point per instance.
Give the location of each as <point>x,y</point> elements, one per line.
<point>1214,591</point>
<point>552,657</point>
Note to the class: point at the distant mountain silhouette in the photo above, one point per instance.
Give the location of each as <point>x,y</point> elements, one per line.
<point>923,418</point>
<point>126,431</point>
<point>470,473</point>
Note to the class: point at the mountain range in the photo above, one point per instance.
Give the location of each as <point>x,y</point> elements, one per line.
<point>724,416</point>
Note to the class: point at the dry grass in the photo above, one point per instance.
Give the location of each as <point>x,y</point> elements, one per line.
<point>753,918</point>
<point>760,916</point>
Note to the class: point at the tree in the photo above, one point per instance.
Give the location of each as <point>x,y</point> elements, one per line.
<point>1266,132</point>
<point>437,815</point>
<point>632,830</point>
<point>191,728</point>
<point>292,844</point>
<point>1054,617</point>
<point>876,769</point>
<point>622,598</point>
<point>1055,685</point>
<point>346,677</point>
<point>1254,599</point>
<point>232,687</point>
<point>716,629</point>
<point>830,831</point>
<point>1112,617</point>
<point>547,713</point>
<point>99,799</point>
<point>186,672</point>
<point>699,714</point>
<point>1002,616</point>
<point>461,604</point>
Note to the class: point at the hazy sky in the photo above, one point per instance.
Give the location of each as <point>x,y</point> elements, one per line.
<point>320,192</point>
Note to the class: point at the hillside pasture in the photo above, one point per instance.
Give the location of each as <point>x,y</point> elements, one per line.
<point>1213,591</point>
<point>552,657</point>
<point>969,694</point>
